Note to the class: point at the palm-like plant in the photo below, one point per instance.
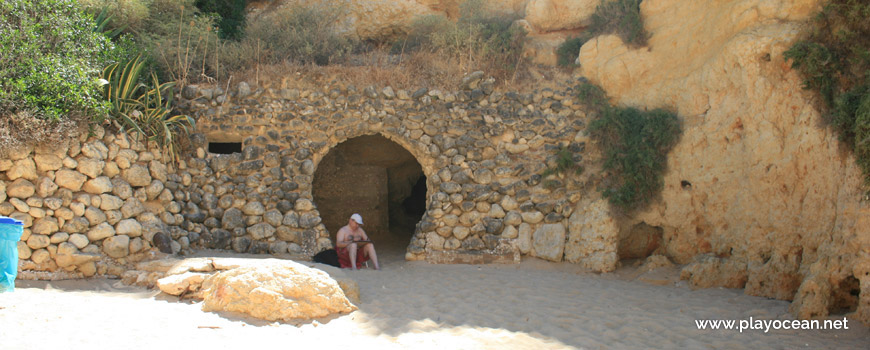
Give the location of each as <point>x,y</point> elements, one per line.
<point>143,108</point>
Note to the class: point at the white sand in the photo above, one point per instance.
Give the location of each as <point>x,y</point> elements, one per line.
<point>415,305</point>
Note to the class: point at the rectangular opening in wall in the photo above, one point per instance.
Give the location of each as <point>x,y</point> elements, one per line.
<point>225,147</point>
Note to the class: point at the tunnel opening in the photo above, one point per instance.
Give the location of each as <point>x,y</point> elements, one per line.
<point>378,179</point>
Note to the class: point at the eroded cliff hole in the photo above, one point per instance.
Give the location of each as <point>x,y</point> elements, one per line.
<point>377,178</point>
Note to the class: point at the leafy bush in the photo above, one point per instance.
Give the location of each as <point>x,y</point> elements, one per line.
<point>564,162</point>
<point>635,145</point>
<point>620,17</point>
<point>567,52</point>
<point>302,34</point>
<point>50,59</point>
<point>834,59</point>
<point>230,13</point>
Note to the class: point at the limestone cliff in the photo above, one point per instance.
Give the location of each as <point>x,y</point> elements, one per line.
<point>758,193</point>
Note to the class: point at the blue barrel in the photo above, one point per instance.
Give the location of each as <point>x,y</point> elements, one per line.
<point>10,233</point>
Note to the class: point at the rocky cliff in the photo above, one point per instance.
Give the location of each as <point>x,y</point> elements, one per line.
<point>758,194</point>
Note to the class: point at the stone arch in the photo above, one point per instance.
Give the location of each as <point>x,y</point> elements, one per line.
<point>392,178</point>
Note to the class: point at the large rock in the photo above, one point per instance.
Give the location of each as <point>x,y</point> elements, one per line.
<point>552,15</point>
<point>254,209</point>
<point>91,167</point>
<point>98,185</point>
<point>261,231</point>
<point>101,231</point>
<point>45,187</point>
<point>592,237</point>
<point>69,179</point>
<point>117,246</point>
<point>45,226</point>
<point>128,227</point>
<point>137,175</point>
<point>232,219</point>
<point>548,242</point>
<point>20,188</point>
<point>275,291</point>
<point>48,162</point>
<point>22,169</point>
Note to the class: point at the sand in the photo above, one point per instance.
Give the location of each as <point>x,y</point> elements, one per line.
<point>416,305</point>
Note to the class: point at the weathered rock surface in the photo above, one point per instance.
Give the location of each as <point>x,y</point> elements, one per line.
<point>750,178</point>
<point>592,237</point>
<point>551,15</point>
<point>275,290</point>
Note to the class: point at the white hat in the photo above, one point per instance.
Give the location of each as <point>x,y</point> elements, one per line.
<point>357,218</point>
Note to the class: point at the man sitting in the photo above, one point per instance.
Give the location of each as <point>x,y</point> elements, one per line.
<point>353,246</point>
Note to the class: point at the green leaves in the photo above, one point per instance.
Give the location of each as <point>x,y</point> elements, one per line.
<point>635,144</point>
<point>621,17</point>
<point>834,60</point>
<point>49,59</point>
<point>145,109</point>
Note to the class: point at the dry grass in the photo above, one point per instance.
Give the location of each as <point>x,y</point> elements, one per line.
<point>23,130</point>
<point>410,71</point>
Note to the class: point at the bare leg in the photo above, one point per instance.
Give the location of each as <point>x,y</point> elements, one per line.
<point>351,253</point>
<point>370,250</point>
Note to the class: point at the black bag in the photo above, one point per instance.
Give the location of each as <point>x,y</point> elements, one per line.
<point>328,257</point>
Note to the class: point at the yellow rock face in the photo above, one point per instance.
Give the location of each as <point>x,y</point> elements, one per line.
<point>275,291</point>
<point>550,15</point>
<point>768,186</point>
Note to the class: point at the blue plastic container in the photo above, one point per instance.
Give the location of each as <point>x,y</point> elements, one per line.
<point>10,233</point>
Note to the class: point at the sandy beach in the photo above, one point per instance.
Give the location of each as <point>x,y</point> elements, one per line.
<point>416,305</point>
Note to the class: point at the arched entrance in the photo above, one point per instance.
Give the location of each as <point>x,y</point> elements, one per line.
<point>377,178</point>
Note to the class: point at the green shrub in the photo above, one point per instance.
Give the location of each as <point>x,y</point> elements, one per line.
<point>144,108</point>
<point>303,34</point>
<point>620,17</point>
<point>564,163</point>
<point>127,15</point>
<point>50,59</point>
<point>834,60</point>
<point>567,52</point>
<point>230,14</point>
<point>635,145</point>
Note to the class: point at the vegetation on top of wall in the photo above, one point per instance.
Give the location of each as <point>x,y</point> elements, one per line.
<point>50,59</point>
<point>834,59</point>
<point>480,38</point>
<point>303,34</point>
<point>230,16</point>
<point>635,145</point>
<point>620,17</point>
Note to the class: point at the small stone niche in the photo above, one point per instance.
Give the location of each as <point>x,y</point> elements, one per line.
<point>224,147</point>
<point>639,242</point>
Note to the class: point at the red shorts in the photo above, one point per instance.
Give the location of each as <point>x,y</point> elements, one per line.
<point>344,257</point>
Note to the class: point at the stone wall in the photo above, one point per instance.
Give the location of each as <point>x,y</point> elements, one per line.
<point>98,204</point>
<point>482,153</point>
<point>91,205</point>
